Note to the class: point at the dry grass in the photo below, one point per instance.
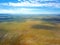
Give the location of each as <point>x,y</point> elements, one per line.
<point>15,33</point>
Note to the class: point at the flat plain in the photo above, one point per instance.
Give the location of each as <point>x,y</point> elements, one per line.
<point>29,30</point>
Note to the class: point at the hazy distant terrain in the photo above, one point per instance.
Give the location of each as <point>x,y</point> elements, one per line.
<point>29,29</point>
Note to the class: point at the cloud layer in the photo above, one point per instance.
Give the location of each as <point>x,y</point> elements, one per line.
<point>32,3</point>
<point>20,7</point>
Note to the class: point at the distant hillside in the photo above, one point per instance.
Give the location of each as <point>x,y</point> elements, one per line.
<point>5,17</point>
<point>22,18</point>
<point>11,17</point>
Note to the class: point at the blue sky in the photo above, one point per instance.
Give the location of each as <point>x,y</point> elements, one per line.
<point>30,6</point>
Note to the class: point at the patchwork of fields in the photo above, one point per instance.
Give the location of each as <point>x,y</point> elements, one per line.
<point>29,30</point>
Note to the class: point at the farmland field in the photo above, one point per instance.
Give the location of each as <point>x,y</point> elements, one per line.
<point>29,29</point>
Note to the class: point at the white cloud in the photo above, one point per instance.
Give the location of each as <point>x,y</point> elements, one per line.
<point>26,11</point>
<point>16,11</point>
<point>6,11</point>
<point>57,5</point>
<point>27,4</point>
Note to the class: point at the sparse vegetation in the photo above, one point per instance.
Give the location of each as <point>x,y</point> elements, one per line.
<point>29,32</point>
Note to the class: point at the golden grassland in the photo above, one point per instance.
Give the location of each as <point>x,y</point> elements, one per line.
<point>22,33</point>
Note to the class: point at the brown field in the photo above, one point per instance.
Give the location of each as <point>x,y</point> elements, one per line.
<point>29,33</point>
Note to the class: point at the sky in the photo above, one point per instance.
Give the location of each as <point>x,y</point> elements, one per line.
<point>30,6</point>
